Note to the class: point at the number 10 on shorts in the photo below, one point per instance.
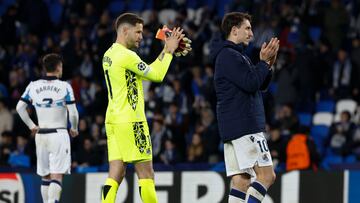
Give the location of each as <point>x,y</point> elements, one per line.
<point>263,145</point>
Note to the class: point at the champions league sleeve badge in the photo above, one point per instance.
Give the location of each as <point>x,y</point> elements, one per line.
<point>141,66</point>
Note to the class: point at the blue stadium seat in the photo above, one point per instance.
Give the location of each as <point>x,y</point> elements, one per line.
<point>281,167</point>
<point>330,160</point>
<point>350,159</point>
<point>9,2</point>
<point>2,9</point>
<point>210,3</point>
<point>319,134</point>
<point>315,33</point>
<point>192,4</point>
<point>104,167</point>
<point>149,5</point>
<point>272,87</point>
<point>219,167</point>
<point>222,7</point>
<point>136,5</point>
<point>88,169</point>
<point>4,5</point>
<point>325,106</point>
<point>19,160</point>
<point>55,11</point>
<point>116,7</point>
<point>305,119</point>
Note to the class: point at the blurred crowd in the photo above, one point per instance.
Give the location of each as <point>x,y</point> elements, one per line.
<point>318,60</point>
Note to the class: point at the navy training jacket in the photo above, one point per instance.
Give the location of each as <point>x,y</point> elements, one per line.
<point>238,86</point>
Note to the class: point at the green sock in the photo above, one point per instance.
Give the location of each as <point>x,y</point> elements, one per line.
<point>147,190</point>
<point>109,191</point>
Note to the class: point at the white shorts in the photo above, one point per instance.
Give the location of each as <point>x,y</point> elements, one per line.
<point>242,154</point>
<point>53,153</point>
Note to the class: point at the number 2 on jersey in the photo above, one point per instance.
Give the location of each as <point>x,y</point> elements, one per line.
<point>49,100</point>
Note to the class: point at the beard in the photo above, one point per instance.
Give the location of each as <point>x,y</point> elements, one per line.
<point>132,44</point>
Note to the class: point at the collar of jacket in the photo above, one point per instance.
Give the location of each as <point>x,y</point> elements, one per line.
<point>239,47</point>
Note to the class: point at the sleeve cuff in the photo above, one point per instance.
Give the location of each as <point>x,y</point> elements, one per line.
<point>168,55</point>
<point>70,102</point>
<point>25,100</point>
<point>263,62</point>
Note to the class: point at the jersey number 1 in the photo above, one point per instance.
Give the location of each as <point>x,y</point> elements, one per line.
<point>108,82</point>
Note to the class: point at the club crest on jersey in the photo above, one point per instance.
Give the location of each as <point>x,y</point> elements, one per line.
<point>265,157</point>
<point>141,66</point>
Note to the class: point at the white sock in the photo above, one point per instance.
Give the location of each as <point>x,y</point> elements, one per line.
<point>54,191</point>
<point>233,199</point>
<point>255,193</point>
<point>236,196</point>
<point>44,189</point>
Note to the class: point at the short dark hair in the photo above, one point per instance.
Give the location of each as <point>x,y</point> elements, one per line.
<point>233,19</point>
<point>50,61</point>
<point>130,18</point>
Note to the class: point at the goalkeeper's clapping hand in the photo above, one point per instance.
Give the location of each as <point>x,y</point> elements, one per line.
<point>184,47</point>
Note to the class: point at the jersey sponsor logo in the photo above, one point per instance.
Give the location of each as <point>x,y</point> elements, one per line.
<point>141,66</point>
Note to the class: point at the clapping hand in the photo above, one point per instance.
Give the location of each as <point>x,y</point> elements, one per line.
<point>173,39</point>
<point>183,46</point>
<point>269,51</point>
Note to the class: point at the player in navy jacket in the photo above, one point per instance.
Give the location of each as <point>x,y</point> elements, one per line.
<point>240,110</point>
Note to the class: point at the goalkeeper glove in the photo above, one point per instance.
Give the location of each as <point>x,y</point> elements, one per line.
<point>184,45</point>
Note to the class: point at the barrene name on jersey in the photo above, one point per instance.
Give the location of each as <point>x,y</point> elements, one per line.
<point>47,88</point>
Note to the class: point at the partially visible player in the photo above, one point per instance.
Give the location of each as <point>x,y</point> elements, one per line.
<point>126,127</point>
<point>53,99</point>
<point>240,109</point>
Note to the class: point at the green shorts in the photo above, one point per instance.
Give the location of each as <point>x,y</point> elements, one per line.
<point>129,142</point>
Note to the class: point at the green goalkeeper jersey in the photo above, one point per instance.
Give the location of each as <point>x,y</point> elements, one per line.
<point>124,71</point>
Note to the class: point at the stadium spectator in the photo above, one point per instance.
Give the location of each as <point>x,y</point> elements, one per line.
<point>171,154</point>
<point>6,147</point>
<point>343,76</point>
<point>336,23</point>
<point>277,146</point>
<point>196,152</point>
<point>301,153</point>
<point>286,119</point>
<point>6,117</point>
<point>341,135</point>
<point>87,155</point>
<point>159,134</point>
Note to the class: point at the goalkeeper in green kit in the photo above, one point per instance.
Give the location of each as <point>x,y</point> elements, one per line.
<point>126,127</point>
